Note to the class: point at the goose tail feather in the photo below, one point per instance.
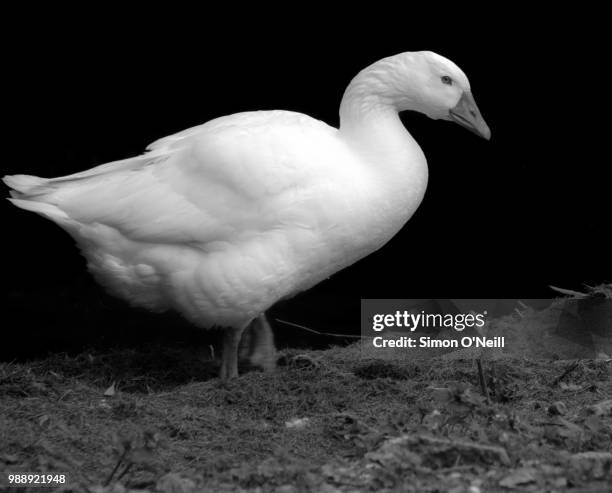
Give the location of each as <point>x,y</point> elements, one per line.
<point>24,185</point>
<point>33,193</point>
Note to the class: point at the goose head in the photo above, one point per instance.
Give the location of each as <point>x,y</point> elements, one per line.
<point>420,81</point>
<point>435,86</point>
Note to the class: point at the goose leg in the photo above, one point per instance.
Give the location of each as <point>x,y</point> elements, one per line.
<point>262,349</point>
<point>244,349</point>
<point>229,359</point>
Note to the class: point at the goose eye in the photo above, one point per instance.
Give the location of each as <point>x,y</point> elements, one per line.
<point>446,80</point>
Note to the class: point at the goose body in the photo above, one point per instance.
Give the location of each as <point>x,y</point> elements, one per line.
<point>222,220</point>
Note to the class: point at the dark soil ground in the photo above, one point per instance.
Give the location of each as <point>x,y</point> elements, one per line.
<point>158,419</point>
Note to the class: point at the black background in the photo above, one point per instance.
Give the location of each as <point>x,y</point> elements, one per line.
<point>501,219</point>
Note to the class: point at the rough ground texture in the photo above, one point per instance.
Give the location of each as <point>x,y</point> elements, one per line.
<point>157,419</point>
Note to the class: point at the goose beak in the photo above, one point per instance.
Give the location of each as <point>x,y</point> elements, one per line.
<point>467,114</point>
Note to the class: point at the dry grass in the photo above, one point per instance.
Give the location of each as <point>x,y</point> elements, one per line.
<point>158,419</point>
<point>55,417</point>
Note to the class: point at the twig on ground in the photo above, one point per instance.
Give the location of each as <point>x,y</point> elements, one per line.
<point>125,471</point>
<point>119,462</point>
<point>569,292</point>
<point>351,336</point>
<point>494,380</point>
<point>64,395</point>
<point>483,383</point>
<point>567,371</point>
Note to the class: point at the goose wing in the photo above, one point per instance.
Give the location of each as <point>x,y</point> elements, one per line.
<point>233,176</point>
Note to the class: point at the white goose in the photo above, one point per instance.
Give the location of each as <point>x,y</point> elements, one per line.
<point>222,220</point>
